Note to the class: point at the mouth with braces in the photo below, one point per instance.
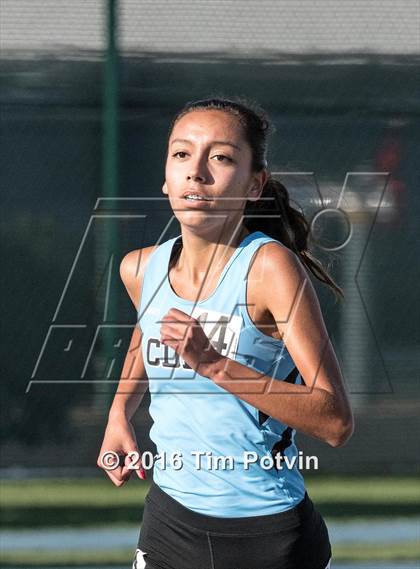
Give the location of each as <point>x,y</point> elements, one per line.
<point>196,197</point>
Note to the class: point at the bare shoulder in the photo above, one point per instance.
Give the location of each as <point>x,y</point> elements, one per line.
<point>278,275</point>
<point>273,259</point>
<point>132,269</point>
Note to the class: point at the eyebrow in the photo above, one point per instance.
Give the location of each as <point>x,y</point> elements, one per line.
<point>223,142</point>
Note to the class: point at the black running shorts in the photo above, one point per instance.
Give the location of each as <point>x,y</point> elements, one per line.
<point>175,537</point>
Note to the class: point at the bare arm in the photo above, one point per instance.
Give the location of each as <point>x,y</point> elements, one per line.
<point>320,408</point>
<point>133,383</point>
<point>119,434</point>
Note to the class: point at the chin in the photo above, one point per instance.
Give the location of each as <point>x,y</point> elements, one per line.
<point>193,219</point>
<point>200,224</point>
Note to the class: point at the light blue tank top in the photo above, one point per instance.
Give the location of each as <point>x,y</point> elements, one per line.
<point>193,415</point>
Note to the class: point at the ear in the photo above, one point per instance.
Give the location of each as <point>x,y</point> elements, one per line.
<point>165,188</point>
<point>254,193</point>
<point>257,187</point>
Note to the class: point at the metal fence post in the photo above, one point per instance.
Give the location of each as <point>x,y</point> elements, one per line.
<point>107,242</point>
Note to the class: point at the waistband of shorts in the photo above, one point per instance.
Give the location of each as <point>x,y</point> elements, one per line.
<point>167,505</point>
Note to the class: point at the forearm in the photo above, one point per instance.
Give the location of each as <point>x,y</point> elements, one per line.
<point>311,410</point>
<point>120,436</point>
<point>127,398</point>
<point>132,385</point>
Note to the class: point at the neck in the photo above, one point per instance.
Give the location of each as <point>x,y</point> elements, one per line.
<point>202,253</point>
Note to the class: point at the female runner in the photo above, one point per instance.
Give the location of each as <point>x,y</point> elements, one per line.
<point>232,345</point>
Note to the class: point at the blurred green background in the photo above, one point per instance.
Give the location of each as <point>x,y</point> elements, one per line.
<point>88,92</point>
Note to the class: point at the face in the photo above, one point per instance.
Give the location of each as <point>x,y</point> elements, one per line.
<point>209,156</point>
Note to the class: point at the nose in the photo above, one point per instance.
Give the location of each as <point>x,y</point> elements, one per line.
<point>196,177</point>
<point>196,172</point>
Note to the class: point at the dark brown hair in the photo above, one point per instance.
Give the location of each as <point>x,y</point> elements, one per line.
<point>294,229</point>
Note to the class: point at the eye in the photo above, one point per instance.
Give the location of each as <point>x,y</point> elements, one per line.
<point>223,157</point>
<point>179,154</point>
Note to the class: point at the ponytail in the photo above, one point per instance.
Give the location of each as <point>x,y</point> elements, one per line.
<point>275,217</point>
